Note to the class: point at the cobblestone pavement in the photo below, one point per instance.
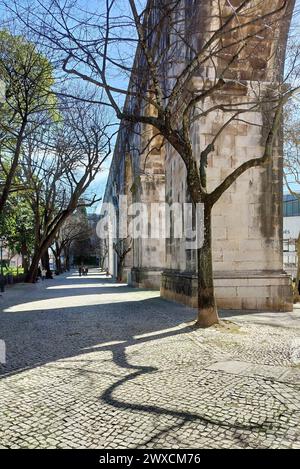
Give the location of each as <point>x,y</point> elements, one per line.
<point>92,364</point>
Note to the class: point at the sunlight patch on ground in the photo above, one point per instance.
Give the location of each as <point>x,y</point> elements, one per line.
<point>106,344</point>
<point>82,300</point>
<point>85,277</point>
<point>86,285</point>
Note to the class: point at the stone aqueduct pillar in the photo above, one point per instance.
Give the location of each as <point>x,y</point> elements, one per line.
<point>247,220</point>
<point>147,186</point>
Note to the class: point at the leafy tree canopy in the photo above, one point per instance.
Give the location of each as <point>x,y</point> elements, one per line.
<point>28,78</point>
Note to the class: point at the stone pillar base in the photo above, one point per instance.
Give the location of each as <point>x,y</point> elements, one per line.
<point>264,291</point>
<point>126,275</point>
<point>146,277</point>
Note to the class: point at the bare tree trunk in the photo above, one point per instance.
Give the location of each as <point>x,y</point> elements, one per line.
<point>57,256</point>
<point>25,257</point>
<point>39,253</point>
<point>58,263</point>
<point>120,269</point>
<point>32,272</point>
<point>41,250</point>
<point>46,263</point>
<point>25,263</point>
<point>207,308</point>
<point>102,260</point>
<point>67,257</point>
<point>12,171</point>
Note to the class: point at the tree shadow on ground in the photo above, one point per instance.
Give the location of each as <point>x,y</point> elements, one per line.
<point>37,337</point>
<point>178,417</point>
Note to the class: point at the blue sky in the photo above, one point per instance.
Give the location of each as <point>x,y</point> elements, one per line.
<point>99,184</point>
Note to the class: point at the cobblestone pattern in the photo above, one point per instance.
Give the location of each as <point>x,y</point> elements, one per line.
<point>103,366</point>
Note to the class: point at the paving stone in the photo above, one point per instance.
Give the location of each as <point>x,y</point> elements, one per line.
<point>92,364</point>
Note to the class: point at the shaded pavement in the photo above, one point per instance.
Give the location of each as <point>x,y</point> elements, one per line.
<point>93,364</point>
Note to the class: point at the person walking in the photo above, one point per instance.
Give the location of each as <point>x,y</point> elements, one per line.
<point>44,272</point>
<point>80,270</point>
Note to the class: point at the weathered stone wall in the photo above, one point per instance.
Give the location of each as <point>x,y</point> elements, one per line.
<point>247,220</point>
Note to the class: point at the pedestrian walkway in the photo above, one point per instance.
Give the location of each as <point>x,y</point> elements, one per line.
<point>95,364</point>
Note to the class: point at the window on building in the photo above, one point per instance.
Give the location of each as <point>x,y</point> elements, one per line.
<point>291,205</point>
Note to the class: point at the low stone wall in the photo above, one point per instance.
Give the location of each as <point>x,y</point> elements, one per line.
<point>146,277</point>
<point>266,291</point>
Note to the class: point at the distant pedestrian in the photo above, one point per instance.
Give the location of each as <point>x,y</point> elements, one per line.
<point>107,272</point>
<point>294,285</point>
<point>80,271</point>
<point>44,273</point>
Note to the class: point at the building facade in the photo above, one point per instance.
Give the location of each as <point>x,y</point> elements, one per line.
<point>247,219</point>
<point>291,232</point>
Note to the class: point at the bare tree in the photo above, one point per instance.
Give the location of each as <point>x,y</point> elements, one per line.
<point>58,168</point>
<point>74,229</point>
<point>103,251</point>
<point>97,45</point>
<point>122,247</point>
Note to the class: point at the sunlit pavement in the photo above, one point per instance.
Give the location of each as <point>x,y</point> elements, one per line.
<point>94,364</point>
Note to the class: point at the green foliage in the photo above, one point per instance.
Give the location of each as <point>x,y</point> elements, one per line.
<point>16,224</point>
<point>28,77</point>
<point>14,271</point>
